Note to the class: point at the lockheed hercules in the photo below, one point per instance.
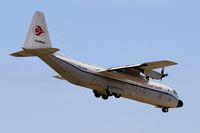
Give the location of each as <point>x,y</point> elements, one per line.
<point>130,81</point>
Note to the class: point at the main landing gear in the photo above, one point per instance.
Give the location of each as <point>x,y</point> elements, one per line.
<point>105,97</point>
<point>165,110</point>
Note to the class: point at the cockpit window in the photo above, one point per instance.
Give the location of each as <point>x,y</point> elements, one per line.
<point>175,92</point>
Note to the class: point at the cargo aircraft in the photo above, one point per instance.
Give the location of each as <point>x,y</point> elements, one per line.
<point>130,81</point>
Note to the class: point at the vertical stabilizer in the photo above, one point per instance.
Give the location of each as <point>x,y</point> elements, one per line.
<point>38,35</point>
<point>37,41</point>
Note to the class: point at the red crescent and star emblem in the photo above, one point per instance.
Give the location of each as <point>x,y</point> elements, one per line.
<point>39,31</point>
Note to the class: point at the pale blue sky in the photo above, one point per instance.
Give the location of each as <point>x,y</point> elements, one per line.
<point>106,33</point>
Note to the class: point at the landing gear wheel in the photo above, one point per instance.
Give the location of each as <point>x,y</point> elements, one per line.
<point>165,110</point>
<point>109,93</point>
<point>105,97</point>
<point>96,94</point>
<point>117,95</point>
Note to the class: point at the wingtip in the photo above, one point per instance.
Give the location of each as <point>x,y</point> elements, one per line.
<point>172,62</point>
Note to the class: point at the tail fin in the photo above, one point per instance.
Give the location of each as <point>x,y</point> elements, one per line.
<point>37,42</point>
<point>38,36</point>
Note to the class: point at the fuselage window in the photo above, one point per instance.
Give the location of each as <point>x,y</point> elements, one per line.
<point>174,92</point>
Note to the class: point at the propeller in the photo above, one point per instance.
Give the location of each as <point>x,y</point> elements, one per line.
<point>163,74</point>
<point>147,77</point>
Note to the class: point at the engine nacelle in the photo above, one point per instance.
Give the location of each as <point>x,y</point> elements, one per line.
<point>153,74</point>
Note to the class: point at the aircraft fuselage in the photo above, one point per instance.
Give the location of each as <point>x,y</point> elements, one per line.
<point>87,76</point>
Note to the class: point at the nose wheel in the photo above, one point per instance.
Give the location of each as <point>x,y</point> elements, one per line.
<point>165,110</point>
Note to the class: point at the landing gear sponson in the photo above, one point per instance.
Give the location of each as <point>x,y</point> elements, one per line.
<point>109,94</point>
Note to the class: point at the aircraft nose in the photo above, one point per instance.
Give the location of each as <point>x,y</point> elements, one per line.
<point>180,103</point>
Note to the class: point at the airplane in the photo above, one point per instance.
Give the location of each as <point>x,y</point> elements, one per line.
<point>130,81</point>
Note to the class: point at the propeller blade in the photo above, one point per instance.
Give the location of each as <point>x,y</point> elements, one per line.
<point>163,73</point>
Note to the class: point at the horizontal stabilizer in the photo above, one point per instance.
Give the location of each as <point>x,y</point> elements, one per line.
<point>35,52</point>
<point>21,54</point>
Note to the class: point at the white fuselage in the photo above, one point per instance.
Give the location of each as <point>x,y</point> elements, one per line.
<point>87,76</point>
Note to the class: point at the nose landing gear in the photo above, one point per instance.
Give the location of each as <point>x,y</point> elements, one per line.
<point>165,110</point>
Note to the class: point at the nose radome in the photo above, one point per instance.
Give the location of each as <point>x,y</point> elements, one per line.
<point>180,103</point>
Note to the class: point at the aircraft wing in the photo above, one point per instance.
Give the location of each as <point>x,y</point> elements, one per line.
<point>157,64</point>
<point>145,68</point>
